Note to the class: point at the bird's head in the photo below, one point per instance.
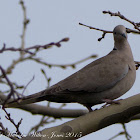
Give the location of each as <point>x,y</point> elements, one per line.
<point>120,33</point>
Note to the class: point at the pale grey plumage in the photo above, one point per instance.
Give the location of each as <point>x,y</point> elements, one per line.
<point>106,78</point>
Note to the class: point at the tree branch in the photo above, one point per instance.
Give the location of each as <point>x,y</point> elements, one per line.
<point>124,18</point>
<point>136,25</point>
<point>36,48</point>
<point>93,121</point>
<point>25,23</point>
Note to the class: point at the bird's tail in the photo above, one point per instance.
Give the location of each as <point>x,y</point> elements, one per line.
<point>40,96</point>
<point>37,97</point>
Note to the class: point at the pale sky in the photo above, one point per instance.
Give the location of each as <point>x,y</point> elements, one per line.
<point>52,20</point>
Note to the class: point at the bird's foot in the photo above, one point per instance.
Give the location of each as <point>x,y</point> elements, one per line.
<point>88,106</point>
<point>109,101</point>
<point>89,109</point>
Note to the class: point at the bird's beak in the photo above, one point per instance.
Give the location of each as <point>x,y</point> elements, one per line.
<point>124,35</point>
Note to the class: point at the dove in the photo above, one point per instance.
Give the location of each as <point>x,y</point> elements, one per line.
<point>101,81</point>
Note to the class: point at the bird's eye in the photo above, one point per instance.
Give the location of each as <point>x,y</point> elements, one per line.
<point>115,33</point>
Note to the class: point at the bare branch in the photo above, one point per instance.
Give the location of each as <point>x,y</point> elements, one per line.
<point>48,79</point>
<point>25,23</point>
<point>73,65</point>
<point>95,28</point>
<point>9,83</point>
<point>8,117</point>
<point>95,120</point>
<point>36,47</point>
<point>136,25</point>
<point>31,57</point>
<point>38,60</point>
<point>119,134</point>
<point>104,31</point>
<point>27,85</point>
<point>4,131</point>
<point>4,49</point>
<point>57,44</point>
<point>128,137</point>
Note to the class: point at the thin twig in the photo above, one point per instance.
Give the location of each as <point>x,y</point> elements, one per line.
<point>128,137</point>
<point>9,83</point>
<point>27,85</point>
<point>58,44</point>
<point>16,86</point>
<point>48,79</point>
<point>38,60</point>
<point>136,25</point>
<point>4,49</point>
<point>25,23</point>
<point>119,134</point>
<point>42,122</point>
<point>95,28</point>
<point>8,117</point>
<point>36,47</point>
<point>104,31</point>
<point>4,131</point>
<point>124,18</point>
<point>73,65</point>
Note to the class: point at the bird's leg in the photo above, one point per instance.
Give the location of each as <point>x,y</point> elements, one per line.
<point>109,101</point>
<point>88,106</point>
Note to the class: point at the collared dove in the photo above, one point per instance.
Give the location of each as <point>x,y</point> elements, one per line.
<point>101,81</point>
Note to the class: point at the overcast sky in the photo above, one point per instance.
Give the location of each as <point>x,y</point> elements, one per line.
<point>52,20</point>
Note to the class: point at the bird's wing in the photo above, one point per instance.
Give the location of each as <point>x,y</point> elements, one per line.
<point>98,76</point>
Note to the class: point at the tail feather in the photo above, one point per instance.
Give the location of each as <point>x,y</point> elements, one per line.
<point>61,97</point>
<point>25,100</point>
